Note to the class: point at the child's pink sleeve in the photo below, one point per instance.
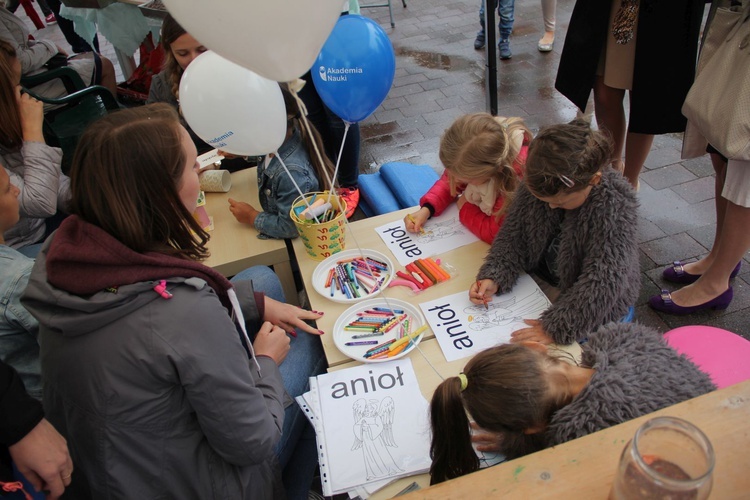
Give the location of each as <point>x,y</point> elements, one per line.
<point>439,196</point>
<point>484,226</point>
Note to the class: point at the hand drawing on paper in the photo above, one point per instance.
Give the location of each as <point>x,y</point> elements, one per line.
<point>506,312</point>
<point>440,231</point>
<point>373,433</point>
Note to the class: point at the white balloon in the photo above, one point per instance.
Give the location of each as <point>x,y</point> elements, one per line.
<point>278,39</point>
<point>232,108</point>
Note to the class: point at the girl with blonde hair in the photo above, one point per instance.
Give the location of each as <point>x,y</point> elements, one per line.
<point>484,160</point>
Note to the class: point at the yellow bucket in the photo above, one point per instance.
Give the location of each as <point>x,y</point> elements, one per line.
<point>325,238</point>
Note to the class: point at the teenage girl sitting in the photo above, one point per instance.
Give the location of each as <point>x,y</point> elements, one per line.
<point>484,159</point>
<point>276,190</point>
<point>33,166</point>
<point>574,223</point>
<point>524,400</point>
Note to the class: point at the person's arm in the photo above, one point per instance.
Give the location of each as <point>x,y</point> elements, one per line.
<point>279,224</point>
<point>439,197</point>
<point>39,182</point>
<point>32,55</point>
<point>38,450</point>
<point>15,313</point>
<point>484,226</point>
<point>240,411</point>
<point>607,273</point>
<point>520,243</point>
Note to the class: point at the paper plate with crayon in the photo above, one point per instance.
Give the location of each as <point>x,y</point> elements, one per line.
<point>374,331</point>
<point>345,277</point>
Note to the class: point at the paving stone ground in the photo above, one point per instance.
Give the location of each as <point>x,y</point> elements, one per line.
<point>440,76</point>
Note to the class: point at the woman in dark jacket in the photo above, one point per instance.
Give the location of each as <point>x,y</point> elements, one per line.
<point>163,376</point>
<point>653,57</point>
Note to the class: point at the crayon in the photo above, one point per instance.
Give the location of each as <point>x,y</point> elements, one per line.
<point>413,221</point>
<point>361,342</point>
<point>385,309</point>
<point>426,271</point>
<point>484,299</point>
<point>368,335</point>
<point>397,351</point>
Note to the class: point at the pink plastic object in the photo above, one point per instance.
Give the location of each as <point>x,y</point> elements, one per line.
<point>722,354</point>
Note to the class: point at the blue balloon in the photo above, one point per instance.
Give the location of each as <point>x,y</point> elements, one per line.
<point>355,68</point>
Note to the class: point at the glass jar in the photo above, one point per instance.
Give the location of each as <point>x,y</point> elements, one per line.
<point>669,458</point>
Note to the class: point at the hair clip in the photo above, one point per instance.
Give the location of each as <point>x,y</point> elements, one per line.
<point>566,180</point>
<point>161,289</point>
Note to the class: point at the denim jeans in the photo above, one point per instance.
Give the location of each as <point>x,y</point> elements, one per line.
<point>331,129</point>
<point>505,12</point>
<point>297,451</point>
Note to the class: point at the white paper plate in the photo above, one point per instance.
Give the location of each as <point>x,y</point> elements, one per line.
<point>341,336</point>
<point>320,275</point>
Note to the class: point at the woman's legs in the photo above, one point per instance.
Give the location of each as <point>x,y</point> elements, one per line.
<point>296,450</point>
<point>733,243</point>
<point>548,13</point>
<point>637,147</point>
<point>732,238</point>
<point>610,116</point>
<point>700,266</point>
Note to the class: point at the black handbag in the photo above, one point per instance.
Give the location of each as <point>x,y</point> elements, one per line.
<point>56,61</point>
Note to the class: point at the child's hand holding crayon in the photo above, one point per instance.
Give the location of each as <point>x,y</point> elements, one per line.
<point>414,222</point>
<point>243,212</point>
<point>481,292</point>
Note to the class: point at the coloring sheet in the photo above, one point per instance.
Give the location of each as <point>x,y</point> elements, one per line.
<point>373,423</point>
<point>441,234</point>
<point>464,329</point>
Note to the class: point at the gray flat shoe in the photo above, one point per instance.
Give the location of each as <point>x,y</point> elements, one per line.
<point>545,47</point>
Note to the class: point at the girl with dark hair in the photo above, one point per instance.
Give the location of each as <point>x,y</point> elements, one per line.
<point>33,166</point>
<point>574,223</point>
<point>147,353</point>
<point>276,190</point>
<point>524,400</point>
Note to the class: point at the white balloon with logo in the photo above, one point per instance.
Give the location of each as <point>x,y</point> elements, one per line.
<point>278,39</point>
<point>232,108</point>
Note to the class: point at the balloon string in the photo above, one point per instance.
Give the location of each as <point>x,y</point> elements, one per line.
<point>304,198</point>
<point>338,160</point>
<point>306,124</point>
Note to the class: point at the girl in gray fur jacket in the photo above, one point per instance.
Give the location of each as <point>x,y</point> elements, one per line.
<point>524,400</point>
<point>574,223</point>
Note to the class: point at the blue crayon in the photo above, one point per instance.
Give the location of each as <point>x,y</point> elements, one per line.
<point>362,342</point>
<point>385,309</point>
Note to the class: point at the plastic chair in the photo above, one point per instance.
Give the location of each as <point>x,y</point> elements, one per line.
<point>69,77</point>
<point>64,125</point>
<point>722,354</point>
<point>386,4</point>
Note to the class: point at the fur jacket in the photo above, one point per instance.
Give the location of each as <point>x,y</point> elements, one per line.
<point>597,261</point>
<point>636,373</point>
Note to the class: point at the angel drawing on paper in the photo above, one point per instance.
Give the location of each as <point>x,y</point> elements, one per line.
<point>505,312</point>
<point>440,231</point>
<point>373,433</point>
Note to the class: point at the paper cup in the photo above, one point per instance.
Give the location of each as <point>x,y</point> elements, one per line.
<point>325,238</point>
<point>216,181</point>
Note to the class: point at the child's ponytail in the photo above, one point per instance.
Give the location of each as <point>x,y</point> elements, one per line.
<point>451,451</point>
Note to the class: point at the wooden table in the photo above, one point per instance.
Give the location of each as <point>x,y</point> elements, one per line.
<point>465,259</point>
<point>585,467</point>
<point>235,246</point>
